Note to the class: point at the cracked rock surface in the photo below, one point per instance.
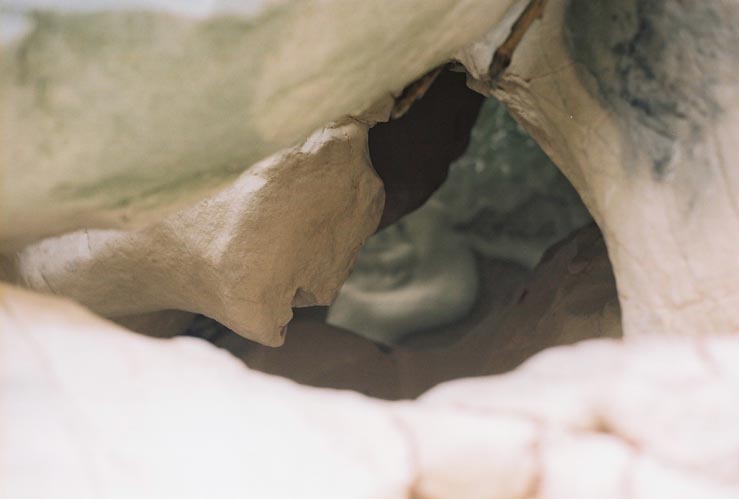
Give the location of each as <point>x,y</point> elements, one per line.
<point>649,418</point>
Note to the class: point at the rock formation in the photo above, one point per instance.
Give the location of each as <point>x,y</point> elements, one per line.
<point>635,101</point>
<point>570,296</point>
<point>213,156</point>
<point>285,234</point>
<point>412,153</point>
<point>114,113</point>
<point>123,415</point>
<point>504,200</point>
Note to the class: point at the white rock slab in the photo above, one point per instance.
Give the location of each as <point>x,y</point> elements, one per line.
<point>184,419</point>
<point>90,410</point>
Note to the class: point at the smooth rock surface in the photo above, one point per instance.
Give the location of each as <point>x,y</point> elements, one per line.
<point>570,296</point>
<point>285,234</point>
<point>115,113</point>
<point>410,277</point>
<point>90,410</point>
<point>160,324</point>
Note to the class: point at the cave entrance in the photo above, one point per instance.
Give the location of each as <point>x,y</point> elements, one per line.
<point>485,256</point>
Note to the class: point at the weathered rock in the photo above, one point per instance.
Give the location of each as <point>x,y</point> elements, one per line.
<point>285,234</point>
<point>571,296</point>
<point>636,102</point>
<point>116,113</point>
<point>506,196</point>
<point>89,409</point>
<point>503,200</point>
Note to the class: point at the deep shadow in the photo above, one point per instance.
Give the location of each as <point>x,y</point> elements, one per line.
<point>412,154</point>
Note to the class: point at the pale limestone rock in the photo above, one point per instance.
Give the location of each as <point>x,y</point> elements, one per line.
<point>88,409</point>
<point>636,102</point>
<point>285,234</point>
<point>114,113</point>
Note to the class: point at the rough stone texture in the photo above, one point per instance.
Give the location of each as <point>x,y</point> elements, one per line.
<point>285,234</point>
<point>114,113</point>
<point>90,410</point>
<point>569,297</point>
<point>503,200</point>
<point>636,102</point>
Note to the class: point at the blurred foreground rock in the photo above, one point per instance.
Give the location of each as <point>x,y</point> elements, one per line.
<point>90,410</point>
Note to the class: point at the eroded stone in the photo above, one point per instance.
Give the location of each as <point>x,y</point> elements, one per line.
<point>634,102</point>
<point>570,296</point>
<point>285,234</point>
<point>117,113</point>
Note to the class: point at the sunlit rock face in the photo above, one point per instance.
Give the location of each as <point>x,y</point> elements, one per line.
<point>503,200</point>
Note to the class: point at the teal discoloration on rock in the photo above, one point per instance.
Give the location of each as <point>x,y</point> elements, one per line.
<point>503,200</point>
<point>656,64</point>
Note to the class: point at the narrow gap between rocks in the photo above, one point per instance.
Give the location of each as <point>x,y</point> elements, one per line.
<point>485,256</point>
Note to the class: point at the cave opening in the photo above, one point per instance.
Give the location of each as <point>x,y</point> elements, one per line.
<point>484,256</point>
